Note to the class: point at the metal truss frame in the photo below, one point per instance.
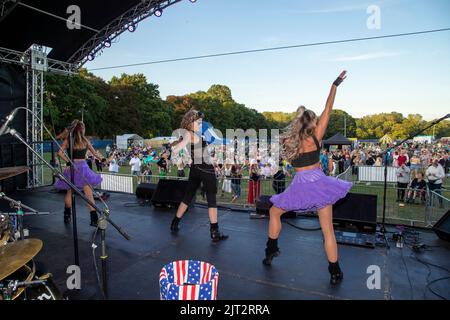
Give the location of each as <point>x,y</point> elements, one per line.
<point>36,64</point>
<point>94,46</point>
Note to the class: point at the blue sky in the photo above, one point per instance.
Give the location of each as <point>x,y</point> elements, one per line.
<point>407,75</point>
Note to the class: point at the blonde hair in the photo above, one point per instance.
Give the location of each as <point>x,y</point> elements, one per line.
<point>298,130</point>
<point>78,130</point>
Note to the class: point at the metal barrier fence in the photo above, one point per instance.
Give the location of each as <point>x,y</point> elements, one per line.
<point>376,174</point>
<point>414,213</point>
<point>346,175</point>
<point>437,206</point>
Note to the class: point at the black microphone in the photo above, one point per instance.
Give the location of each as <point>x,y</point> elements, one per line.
<point>4,128</point>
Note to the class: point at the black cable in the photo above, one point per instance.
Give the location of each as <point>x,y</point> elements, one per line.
<point>134,204</point>
<point>429,283</point>
<point>273,49</point>
<point>94,246</point>
<point>301,228</point>
<point>434,292</point>
<point>203,205</point>
<point>407,274</point>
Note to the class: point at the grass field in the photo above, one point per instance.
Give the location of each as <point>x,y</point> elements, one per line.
<point>395,212</point>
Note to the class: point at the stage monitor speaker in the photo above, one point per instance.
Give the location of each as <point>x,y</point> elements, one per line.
<point>263,205</point>
<point>356,211</point>
<point>145,191</point>
<point>169,193</point>
<point>442,227</point>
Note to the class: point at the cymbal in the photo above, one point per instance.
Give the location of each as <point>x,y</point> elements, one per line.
<point>9,172</point>
<point>15,255</point>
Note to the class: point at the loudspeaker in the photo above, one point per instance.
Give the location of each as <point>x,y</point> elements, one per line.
<point>169,193</point>
<point>356,211</point>
<point>442,227</point>
<point>263,205</point>
<point>145,191</point>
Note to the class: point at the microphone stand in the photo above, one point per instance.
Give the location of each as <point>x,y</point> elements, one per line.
<point>104,214</point>
<point>74,207</point>
<point>383,221</point>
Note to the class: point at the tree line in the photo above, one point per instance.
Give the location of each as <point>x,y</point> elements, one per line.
<point>132,104</point>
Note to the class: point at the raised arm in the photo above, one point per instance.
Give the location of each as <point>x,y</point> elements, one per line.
<point>93,151</point>
<point>325,116</point>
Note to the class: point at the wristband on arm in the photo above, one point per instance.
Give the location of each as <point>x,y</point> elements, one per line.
<point>338,81</point>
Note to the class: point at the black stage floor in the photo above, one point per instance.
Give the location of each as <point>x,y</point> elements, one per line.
<point>300,272</point>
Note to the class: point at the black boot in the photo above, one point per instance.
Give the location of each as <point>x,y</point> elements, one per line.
<point>272,251</point>
<point>94,218</point>
<point>216,235</point>
<point>174,225</point>
<point>336,274</point>
<point>67,215</point>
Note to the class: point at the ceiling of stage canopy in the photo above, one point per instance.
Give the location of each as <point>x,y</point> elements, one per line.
<point>22,26</point>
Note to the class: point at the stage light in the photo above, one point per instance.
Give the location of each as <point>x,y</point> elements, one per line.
<point>158,12</point>
<point>131,27</point>
<point>90,57</point>
<point>193,1</point>
<point>107,43</point>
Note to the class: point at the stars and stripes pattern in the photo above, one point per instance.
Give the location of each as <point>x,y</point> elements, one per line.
<point>188,280</point>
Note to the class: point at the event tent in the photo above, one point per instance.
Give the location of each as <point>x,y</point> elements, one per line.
<point>337,140</point>
<point>126,140</point>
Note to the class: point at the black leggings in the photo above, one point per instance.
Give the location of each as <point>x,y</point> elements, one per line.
<point>202,173</point>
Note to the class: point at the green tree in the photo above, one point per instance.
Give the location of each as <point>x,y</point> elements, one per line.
<point>338,120</point>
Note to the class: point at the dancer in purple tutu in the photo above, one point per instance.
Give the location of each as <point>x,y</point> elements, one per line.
<point>311,189</point>
<point>84,177</point>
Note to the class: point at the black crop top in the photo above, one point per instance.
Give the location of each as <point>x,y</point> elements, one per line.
<point>198,158</point>
<point>79,153</point>
<point>307,158</point>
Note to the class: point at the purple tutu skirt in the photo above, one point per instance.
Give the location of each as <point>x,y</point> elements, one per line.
<point>311,190</point>
<point>83,176</point>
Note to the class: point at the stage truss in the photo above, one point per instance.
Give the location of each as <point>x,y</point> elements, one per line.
<point>111,31</point>
<point>36,64</point>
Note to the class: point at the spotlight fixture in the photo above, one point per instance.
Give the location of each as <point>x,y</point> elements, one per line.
<point>158,12</point>
<point>107,43</point>
<point>193,1</point>
<point>90,57</point>
<point>131,27</point>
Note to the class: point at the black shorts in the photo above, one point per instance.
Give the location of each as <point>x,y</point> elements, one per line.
<point>205,174</point>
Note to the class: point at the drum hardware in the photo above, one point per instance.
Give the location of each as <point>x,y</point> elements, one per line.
<point>18,275</point>
<point>11,286</point>
<point>104,213</point>
<point>18,215</point>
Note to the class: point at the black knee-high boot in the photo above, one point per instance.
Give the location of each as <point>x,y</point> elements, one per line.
<point>336,273</point>
<point>216,235</point>
<point>94,218</point>
<point>272,251</point>
<point>67,215</point>
<point>174,225</point>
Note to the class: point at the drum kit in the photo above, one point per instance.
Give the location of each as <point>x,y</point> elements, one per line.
<point>19,278</point>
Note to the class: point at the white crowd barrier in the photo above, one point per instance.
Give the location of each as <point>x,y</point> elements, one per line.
<point>117,183</point>
<point>376,174</point>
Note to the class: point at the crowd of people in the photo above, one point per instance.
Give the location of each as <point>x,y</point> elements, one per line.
<point>419,166</point>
